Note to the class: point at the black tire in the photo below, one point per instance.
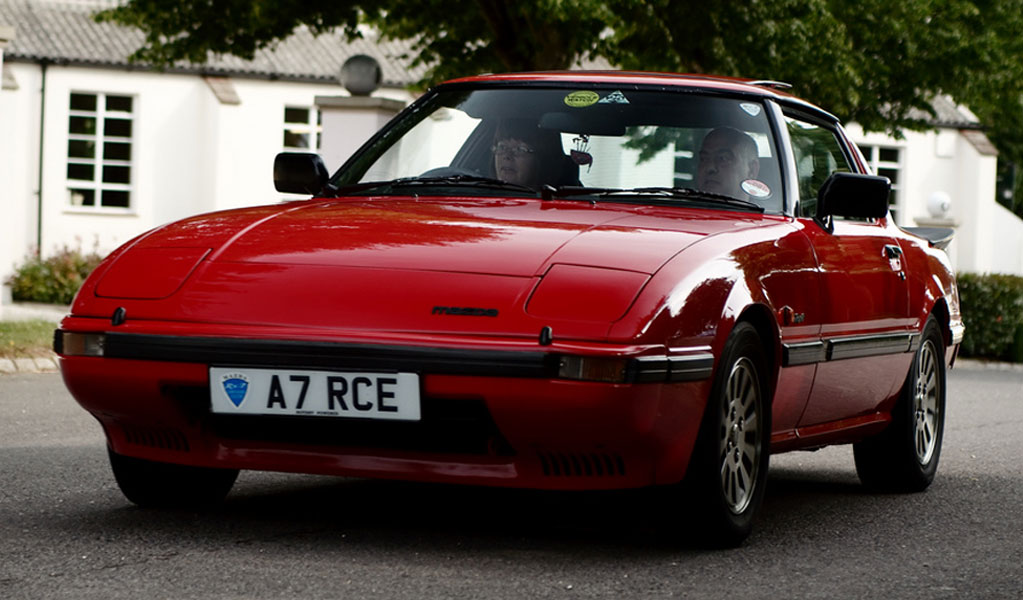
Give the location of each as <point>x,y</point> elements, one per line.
<point>153,484</point>
<point>727,473</point>
<point>904,457</point>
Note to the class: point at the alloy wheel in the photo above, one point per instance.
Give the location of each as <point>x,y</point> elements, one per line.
<point>741,437</point>
<point>925,403</point>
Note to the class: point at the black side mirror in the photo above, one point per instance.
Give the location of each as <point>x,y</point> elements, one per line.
<point>300,173</point>
<point>854,196</point>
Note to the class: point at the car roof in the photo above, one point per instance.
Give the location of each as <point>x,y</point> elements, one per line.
<point>711,83</point>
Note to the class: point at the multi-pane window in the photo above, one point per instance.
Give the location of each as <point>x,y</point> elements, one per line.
<point>99,150</point>
<point>885,161</point>
<point>302,126</point>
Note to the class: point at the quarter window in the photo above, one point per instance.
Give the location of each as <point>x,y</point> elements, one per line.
<point>99,153</point>
<point>302,129</point>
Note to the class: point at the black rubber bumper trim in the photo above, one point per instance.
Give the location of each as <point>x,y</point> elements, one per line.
<point>283,353</point>
<point>658,369</point>
<point>373,357</point>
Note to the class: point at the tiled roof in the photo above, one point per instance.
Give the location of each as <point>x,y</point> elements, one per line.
<point>948,115</point>
<point>63,32</point>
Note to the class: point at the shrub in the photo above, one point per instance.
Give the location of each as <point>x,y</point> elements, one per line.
<point>992,307</point>
<point>54,279</point>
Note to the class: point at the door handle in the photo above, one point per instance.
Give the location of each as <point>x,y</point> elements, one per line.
<point>894,255</point>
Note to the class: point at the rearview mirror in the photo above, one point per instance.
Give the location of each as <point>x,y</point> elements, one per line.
<point>853,195</point>
<point>593,124</point>
<point>300,173</point>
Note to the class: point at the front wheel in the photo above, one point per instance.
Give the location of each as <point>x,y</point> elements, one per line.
<point>728,471</point>
<point>904,457</point>
<point>153,484</point>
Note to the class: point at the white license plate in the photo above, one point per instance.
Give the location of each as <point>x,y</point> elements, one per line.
<point>282,392</point>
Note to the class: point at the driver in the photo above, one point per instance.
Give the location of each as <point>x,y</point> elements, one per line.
<point>727,158</point>
<point>525,154</point>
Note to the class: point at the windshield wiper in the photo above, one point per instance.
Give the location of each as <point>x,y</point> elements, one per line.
<point>471,180</point>
<point>674,193</point>
<point>447,180</point>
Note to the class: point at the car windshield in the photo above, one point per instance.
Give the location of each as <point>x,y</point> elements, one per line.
<point>650,146</point>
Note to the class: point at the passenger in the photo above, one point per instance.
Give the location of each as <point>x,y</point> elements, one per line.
<point>527,155</point>
<point>727,158</point>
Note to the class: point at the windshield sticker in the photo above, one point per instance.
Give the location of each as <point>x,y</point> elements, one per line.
<point>755,188</point>
<point>750,108</point>
<point>614,98</point>
<point>581,99</point>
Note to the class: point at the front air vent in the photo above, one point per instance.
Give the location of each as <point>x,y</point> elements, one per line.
<point>155,437</point>
<point>448,426</point>
<point>575,464</point>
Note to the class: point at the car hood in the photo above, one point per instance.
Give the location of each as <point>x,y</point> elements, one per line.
<point>498,237</point>
<point>407,264</point>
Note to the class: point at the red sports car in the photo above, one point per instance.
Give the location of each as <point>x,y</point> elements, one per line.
<point>569,281</point>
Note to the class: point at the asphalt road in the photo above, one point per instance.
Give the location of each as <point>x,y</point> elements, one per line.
<point>66,532</point>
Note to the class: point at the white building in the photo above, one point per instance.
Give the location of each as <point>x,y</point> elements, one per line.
<point>95,150</point>
<point>945,177</point>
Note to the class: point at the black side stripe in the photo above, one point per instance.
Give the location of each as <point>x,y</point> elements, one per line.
<point>849,347</point>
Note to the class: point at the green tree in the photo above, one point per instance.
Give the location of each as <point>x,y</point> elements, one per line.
<point>869,61</point>
<point>452,38</point>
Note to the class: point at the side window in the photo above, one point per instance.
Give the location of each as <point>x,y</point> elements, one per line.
<point>818,154</point>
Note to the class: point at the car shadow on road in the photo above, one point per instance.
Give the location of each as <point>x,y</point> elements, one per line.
<point>321,512</point>
<point>427,517</point>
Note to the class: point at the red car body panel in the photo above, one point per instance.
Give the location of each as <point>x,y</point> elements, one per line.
<point>467,277</point>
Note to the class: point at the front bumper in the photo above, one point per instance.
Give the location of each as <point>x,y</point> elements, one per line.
<point>494,416</point>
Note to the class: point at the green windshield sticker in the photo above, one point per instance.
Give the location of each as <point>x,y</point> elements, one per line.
<point>581,99</point>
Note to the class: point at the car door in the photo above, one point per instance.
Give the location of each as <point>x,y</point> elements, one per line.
<point>866,328</point>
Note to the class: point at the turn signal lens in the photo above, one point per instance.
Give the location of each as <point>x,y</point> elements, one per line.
<point>81,344</point>
<point>590,368</point>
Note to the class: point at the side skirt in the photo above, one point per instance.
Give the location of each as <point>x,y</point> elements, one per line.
<point>844,431</point>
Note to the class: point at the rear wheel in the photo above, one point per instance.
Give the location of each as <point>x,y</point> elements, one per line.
<point>164,485</point>
<point>728,471</point>
<point>904,457</point>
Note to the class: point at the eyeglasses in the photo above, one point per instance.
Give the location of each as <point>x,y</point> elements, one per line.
<point>514,150</point>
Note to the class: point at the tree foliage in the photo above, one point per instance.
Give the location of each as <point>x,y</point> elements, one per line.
<point>871,61</point>
<point>453,38</point>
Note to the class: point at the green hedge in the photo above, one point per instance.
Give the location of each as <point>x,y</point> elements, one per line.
<point>992,307</point>
<point>54,279</point>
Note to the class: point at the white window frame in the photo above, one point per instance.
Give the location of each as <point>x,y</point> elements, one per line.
<point>312,128</point>
<point>872,154</point>
<point>98,162</point>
